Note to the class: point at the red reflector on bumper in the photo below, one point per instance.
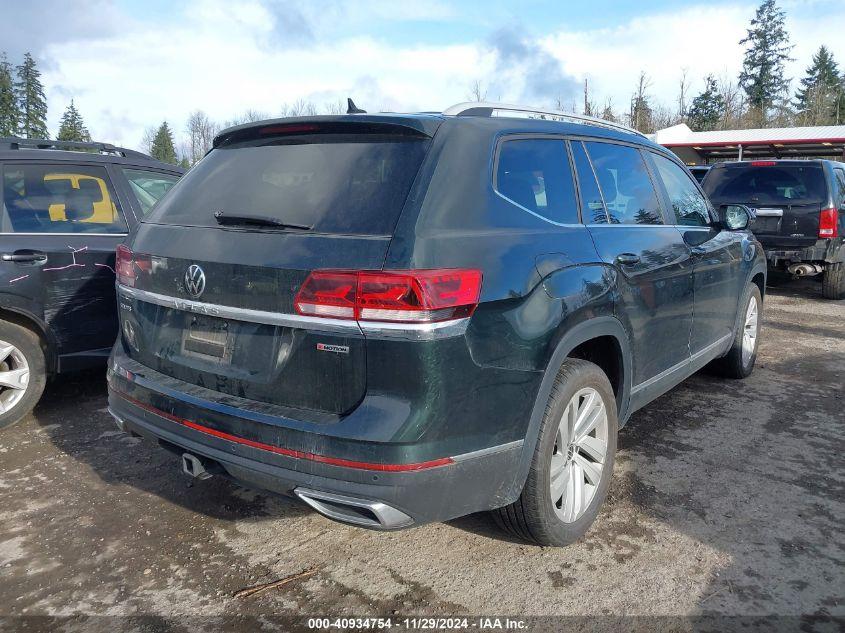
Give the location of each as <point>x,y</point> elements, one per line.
<point>287,452</point>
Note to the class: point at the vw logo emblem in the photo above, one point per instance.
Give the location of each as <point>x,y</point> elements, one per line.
<point>194,281</point>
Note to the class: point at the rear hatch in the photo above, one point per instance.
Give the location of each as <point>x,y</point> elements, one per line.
<point>217,264</point>
<point>788,197</point>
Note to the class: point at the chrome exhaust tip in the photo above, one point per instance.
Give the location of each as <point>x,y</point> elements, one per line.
<point>362,512</point>
<point>193,467</point>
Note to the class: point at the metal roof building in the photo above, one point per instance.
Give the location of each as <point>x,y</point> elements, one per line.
<point>699,148</point>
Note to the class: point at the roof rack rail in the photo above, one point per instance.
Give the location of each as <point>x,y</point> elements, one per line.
<point>490,109</point>
<point>15,142</point>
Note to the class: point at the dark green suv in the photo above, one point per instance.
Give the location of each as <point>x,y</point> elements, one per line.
<point>408,318</point>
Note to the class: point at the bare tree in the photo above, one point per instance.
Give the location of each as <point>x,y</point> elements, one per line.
<point>250,116</point>
<point>334,107</point>
<point>300,107</point>
<point>732,97</point>
<point>477,91</point>
<point>683,90</point>
<point>147,139</point>
<point>200,130</point>
<point>607,112</point>
<point>590,107</point>
<point>640,114</point>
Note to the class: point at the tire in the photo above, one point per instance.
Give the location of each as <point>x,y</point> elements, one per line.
<point>21,351</point>
<point>535,516</point>
<point>833,281</point>
<point>739,361</point>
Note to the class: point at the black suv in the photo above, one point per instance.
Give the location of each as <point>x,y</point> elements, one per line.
<point>408,318</point>
<point>65,208</point>
<point>800,213</point>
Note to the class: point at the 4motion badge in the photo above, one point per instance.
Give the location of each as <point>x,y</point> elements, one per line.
<point>337,349</point>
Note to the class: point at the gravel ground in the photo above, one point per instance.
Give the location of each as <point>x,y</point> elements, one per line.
<point>727,500</point>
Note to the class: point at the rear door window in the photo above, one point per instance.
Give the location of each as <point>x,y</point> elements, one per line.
<point>535,175</point>
<point>39,198</point>
<point>629,196</point>
<point>688,205</point>
<point>767,183</point>
<point>148,187</point>
<point>333,183</point>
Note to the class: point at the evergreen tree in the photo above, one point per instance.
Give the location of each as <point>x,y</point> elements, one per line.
<point>707,109</point>
<point>819,98</point>
<point>9,114</point>
<point>72,127</point>
<point>32,103</point>
<point>767,50</point>
<point>162,147</point>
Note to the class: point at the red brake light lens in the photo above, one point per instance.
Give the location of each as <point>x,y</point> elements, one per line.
<point>763,163</point>
<point>829,223</point>
<point>124,266</point>
<point>328,293</point>
<point>413,296</point>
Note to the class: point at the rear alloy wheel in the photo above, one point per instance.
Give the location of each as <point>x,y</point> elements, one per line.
<point>572,462</point>
<point>578,455</point>
<point>833,281</point>
<point>22,372</point>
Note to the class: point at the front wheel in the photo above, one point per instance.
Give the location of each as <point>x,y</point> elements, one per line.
<point>740,359</point>
<point>572,462</point>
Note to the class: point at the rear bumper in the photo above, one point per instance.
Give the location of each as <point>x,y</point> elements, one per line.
<point>826,250</point>
<point>389,493</point>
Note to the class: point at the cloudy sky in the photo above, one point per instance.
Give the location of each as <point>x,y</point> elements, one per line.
<point>129,64</point>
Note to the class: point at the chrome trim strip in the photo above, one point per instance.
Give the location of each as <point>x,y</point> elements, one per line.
<point>684,363</point>
<point>242,314</point>
<point>769,213</point>
<point>488,451</point>
<point>400,331</point>
<point>415,331</point>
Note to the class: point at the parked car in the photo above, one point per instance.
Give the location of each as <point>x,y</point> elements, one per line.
<point>699,171</point>
<point>800,213</point>
<point>409,318</point>
<point>65,208</point>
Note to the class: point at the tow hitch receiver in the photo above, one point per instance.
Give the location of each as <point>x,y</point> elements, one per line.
<point>193,467</point>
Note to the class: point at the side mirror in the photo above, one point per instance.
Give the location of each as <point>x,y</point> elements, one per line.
<point>735,217</point>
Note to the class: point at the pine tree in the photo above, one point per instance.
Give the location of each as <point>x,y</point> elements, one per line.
<point>707,109</point>
<point>767,50</point>
<point>9,114</point>
<point>32,103</point>
<point>162,147</point>
<point>819,97</point>
<point>72,127</point>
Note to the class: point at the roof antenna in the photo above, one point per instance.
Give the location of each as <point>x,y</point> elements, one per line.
<point>351,108</point>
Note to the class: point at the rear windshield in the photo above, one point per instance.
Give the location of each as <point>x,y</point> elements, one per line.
<point>352,183</point>
<point>768,184</point>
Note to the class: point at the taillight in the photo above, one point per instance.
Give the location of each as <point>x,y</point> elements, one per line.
<point>124,266</point>
<point>829,223</point>
<point>128,264</point>
<point>763,163</point>
<point>408,296</point>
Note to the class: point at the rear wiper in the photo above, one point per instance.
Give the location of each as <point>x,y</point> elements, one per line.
<point>251,219</point>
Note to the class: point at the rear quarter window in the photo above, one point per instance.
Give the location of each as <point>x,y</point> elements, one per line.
<point>535,175</point>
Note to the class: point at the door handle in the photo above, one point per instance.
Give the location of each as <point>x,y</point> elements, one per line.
<point>24,256</point>
<point>628,259</point>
